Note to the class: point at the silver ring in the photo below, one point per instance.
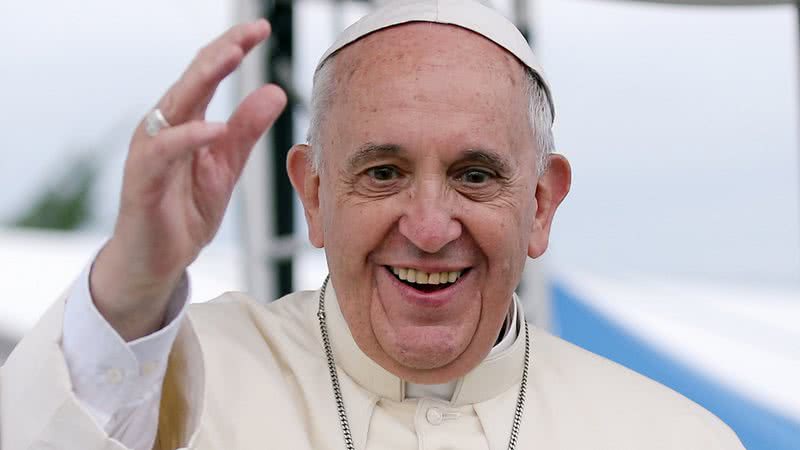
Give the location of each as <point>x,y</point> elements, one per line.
<point>154,122</point>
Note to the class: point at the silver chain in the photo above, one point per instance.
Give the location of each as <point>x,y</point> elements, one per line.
<point>337,390</point>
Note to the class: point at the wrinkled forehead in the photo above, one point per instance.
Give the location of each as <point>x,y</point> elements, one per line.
<point>418,46</point>
<point>452,87</point>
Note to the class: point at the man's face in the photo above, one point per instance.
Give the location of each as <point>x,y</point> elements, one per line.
<point>429,166</point>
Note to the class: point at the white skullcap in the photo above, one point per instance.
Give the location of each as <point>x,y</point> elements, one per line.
<point>469,14</point>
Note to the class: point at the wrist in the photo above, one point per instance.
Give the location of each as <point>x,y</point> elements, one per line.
<point>133,300</point>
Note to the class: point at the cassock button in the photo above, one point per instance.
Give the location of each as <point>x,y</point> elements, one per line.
<point>149,367</point>
<point>114,376</point>
<point>434,416</point>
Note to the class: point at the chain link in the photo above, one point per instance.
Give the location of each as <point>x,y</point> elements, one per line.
<point>337,390</point>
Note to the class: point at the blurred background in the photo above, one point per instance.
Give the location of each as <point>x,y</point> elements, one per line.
<point>677,253</point>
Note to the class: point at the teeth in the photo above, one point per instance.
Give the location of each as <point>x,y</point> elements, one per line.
<point>420,277</point>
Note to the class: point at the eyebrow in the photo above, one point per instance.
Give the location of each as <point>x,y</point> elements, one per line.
<point>488,157</point>
<point>370,152</point>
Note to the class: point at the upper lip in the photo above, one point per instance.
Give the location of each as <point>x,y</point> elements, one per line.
<point>431,268</point>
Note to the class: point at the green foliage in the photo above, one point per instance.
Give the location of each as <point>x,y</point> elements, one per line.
<point>65,205</point>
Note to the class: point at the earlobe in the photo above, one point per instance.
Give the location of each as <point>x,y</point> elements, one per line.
<point>551,189</point>
<point>306,183</point>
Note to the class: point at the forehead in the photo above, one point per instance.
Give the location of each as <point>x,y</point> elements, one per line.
<point>440,80</point>
<point>417,42</point>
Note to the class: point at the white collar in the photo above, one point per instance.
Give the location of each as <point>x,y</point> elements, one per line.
<point>500,370</point>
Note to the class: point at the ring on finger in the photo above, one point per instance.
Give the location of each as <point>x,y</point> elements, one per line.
<point>154,122</point>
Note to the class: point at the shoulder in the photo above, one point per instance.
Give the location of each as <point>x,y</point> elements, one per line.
<point>236,318</point>
<point>241,304</point>
<point>622,400</point>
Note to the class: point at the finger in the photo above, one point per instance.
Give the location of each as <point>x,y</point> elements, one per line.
<point>234,45</point>
<point>190,95</point>
<point>174,143</point>
<point>252,118</point>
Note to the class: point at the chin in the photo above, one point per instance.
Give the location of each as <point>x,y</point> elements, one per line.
<point>424,347</point>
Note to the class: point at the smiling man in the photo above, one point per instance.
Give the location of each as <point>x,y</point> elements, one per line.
<point>431,172</point>
<point>429,177</point>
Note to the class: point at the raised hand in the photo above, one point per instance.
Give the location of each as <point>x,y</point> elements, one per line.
<point>177,185</point>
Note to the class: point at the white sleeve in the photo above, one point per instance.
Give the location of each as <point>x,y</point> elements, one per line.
<point>119,383</point>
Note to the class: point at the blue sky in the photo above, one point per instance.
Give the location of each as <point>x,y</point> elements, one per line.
<point>680,122</point>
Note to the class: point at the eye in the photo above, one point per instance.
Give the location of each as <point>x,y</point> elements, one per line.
<point>476,176</point>
<point>383,173</point>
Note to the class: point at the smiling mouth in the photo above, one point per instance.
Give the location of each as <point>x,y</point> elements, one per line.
<point>425,281</point>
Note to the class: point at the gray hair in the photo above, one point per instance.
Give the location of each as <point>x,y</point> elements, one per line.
<point>539,112</point>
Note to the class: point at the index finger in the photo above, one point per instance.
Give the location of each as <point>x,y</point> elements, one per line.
<point>190,95</point>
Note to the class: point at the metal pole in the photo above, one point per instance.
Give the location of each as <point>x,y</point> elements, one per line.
<point>279,70</point>
<point>534,285</point>
<point>257,227</point>
<point>521,19</point>
<point>797,12</point>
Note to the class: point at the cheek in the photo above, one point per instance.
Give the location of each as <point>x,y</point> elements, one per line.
<point>502,234</point>
<point>354,229</point>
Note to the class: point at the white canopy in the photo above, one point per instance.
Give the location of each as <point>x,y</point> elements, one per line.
<point>722,2</point>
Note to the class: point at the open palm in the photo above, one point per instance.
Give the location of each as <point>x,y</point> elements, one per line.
<point>178,183</point>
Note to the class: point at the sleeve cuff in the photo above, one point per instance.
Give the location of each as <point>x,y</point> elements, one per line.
<point>108,373</point>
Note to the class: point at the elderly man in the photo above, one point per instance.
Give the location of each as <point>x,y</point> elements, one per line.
<point>429,178</point>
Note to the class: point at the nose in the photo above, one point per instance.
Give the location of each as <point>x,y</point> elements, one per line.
<point>428,222</point>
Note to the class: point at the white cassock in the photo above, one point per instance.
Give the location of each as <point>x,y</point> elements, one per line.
<point>242,375</point>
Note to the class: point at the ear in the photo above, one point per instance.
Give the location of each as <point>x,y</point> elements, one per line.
<point>306,183</point>
<point>551,189</point>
